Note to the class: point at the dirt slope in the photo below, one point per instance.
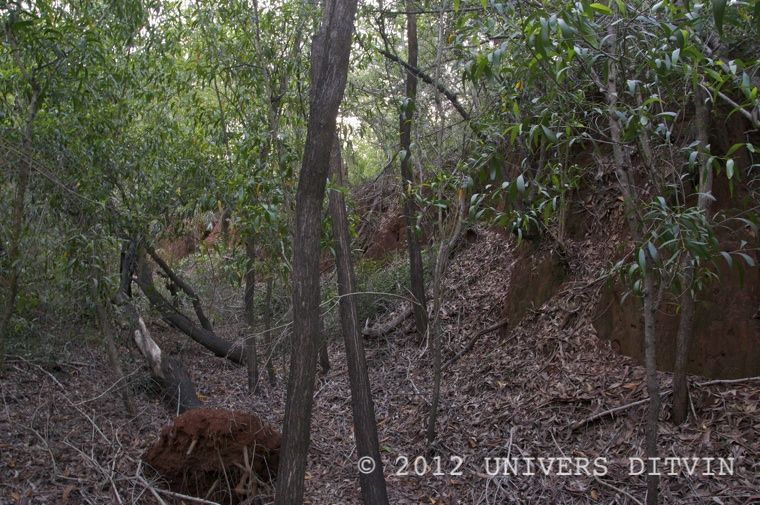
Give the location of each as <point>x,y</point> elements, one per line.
<point>65,439</point>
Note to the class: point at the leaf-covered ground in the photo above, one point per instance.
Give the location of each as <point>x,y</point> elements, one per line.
<point>523,392</point>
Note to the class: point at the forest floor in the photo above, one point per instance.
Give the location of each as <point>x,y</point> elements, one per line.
<point>522,392</point>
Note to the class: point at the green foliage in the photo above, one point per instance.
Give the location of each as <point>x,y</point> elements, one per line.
<point>389,276</point>
<point>153,115</point>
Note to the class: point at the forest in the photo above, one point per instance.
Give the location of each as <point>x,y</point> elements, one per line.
<point>384,252</point>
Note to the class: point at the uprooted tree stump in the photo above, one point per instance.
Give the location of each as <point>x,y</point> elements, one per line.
<point>216,454</point>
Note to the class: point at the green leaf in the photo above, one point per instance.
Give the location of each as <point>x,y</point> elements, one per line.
<point>567,30</point>
<point>682,36</point>
<point>642,259</point>
<point>520,183</point>
<point>456,5</point>
<point>734,148</point>
<point>730,169</point>
<point>748,259</point>
<point>719,11</point>
<point>652,251</point>
<point>549,134</point>
<point>693,158</point>
<point>603,8</point>
<point>727,257</point>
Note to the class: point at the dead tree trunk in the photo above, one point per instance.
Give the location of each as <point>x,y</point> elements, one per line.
<point>635,224</point>
<point>365,426</point>
<point>331,47</point>
<point>685,333</point>
<point>416,272</point>
<point>170,314</point>
<point>178,389</point>
<point>17,220</point>
<point>250,315</point>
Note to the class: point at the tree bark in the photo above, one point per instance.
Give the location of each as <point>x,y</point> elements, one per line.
<point>365,425</point>
<point>635,224</point>
<point>177,386</point>
<point>268,332</point>
<point>250,314</point>
<point>207,339</point>
<point>106,328</point>
<point>179,390</point>
<point>412,69</point>
<point>184,286</point>
<point>324,357</point>
<point>680,411</point>
<point>330,51</point>
<point>17,221</point>
<point>441,265</point>
<point>416,272</point>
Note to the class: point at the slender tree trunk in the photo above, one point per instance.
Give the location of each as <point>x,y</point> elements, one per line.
<point>250,315</point>
<point>268,332</point>
<point>17,222</point>
<point>106,328</point>
<point>416,272</point>
<point>685,333</point>
<point>635,223</point>
<point>680,411</point>
<point>324,357</point>
<point>365,426</point>
<point>441,265</point>
<point>330,51</point>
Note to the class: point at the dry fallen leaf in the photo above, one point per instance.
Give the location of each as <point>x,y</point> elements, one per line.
<point>67,493</point>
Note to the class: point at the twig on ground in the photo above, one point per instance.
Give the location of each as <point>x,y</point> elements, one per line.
<point>473,340</point>
<point>157,491</point>
<point>615,410</point>
<point>617,489</point>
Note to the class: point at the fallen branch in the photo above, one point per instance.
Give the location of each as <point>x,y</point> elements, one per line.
<point>726,381</point>
<point>155,491</point>
<point>208,339</point>
<point>627,406</point>
<point>473,340</point>
<point>615,488</point>
<point>613,411</point>
<point>184,286</point>
<point>384,329</point>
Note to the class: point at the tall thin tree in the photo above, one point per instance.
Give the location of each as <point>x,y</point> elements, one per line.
<point>251,358</point>
<point>685,333</point>
<point>365,427</point>
<point>416,273</point>
<point>622,164</point>
<point>331,47</point>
